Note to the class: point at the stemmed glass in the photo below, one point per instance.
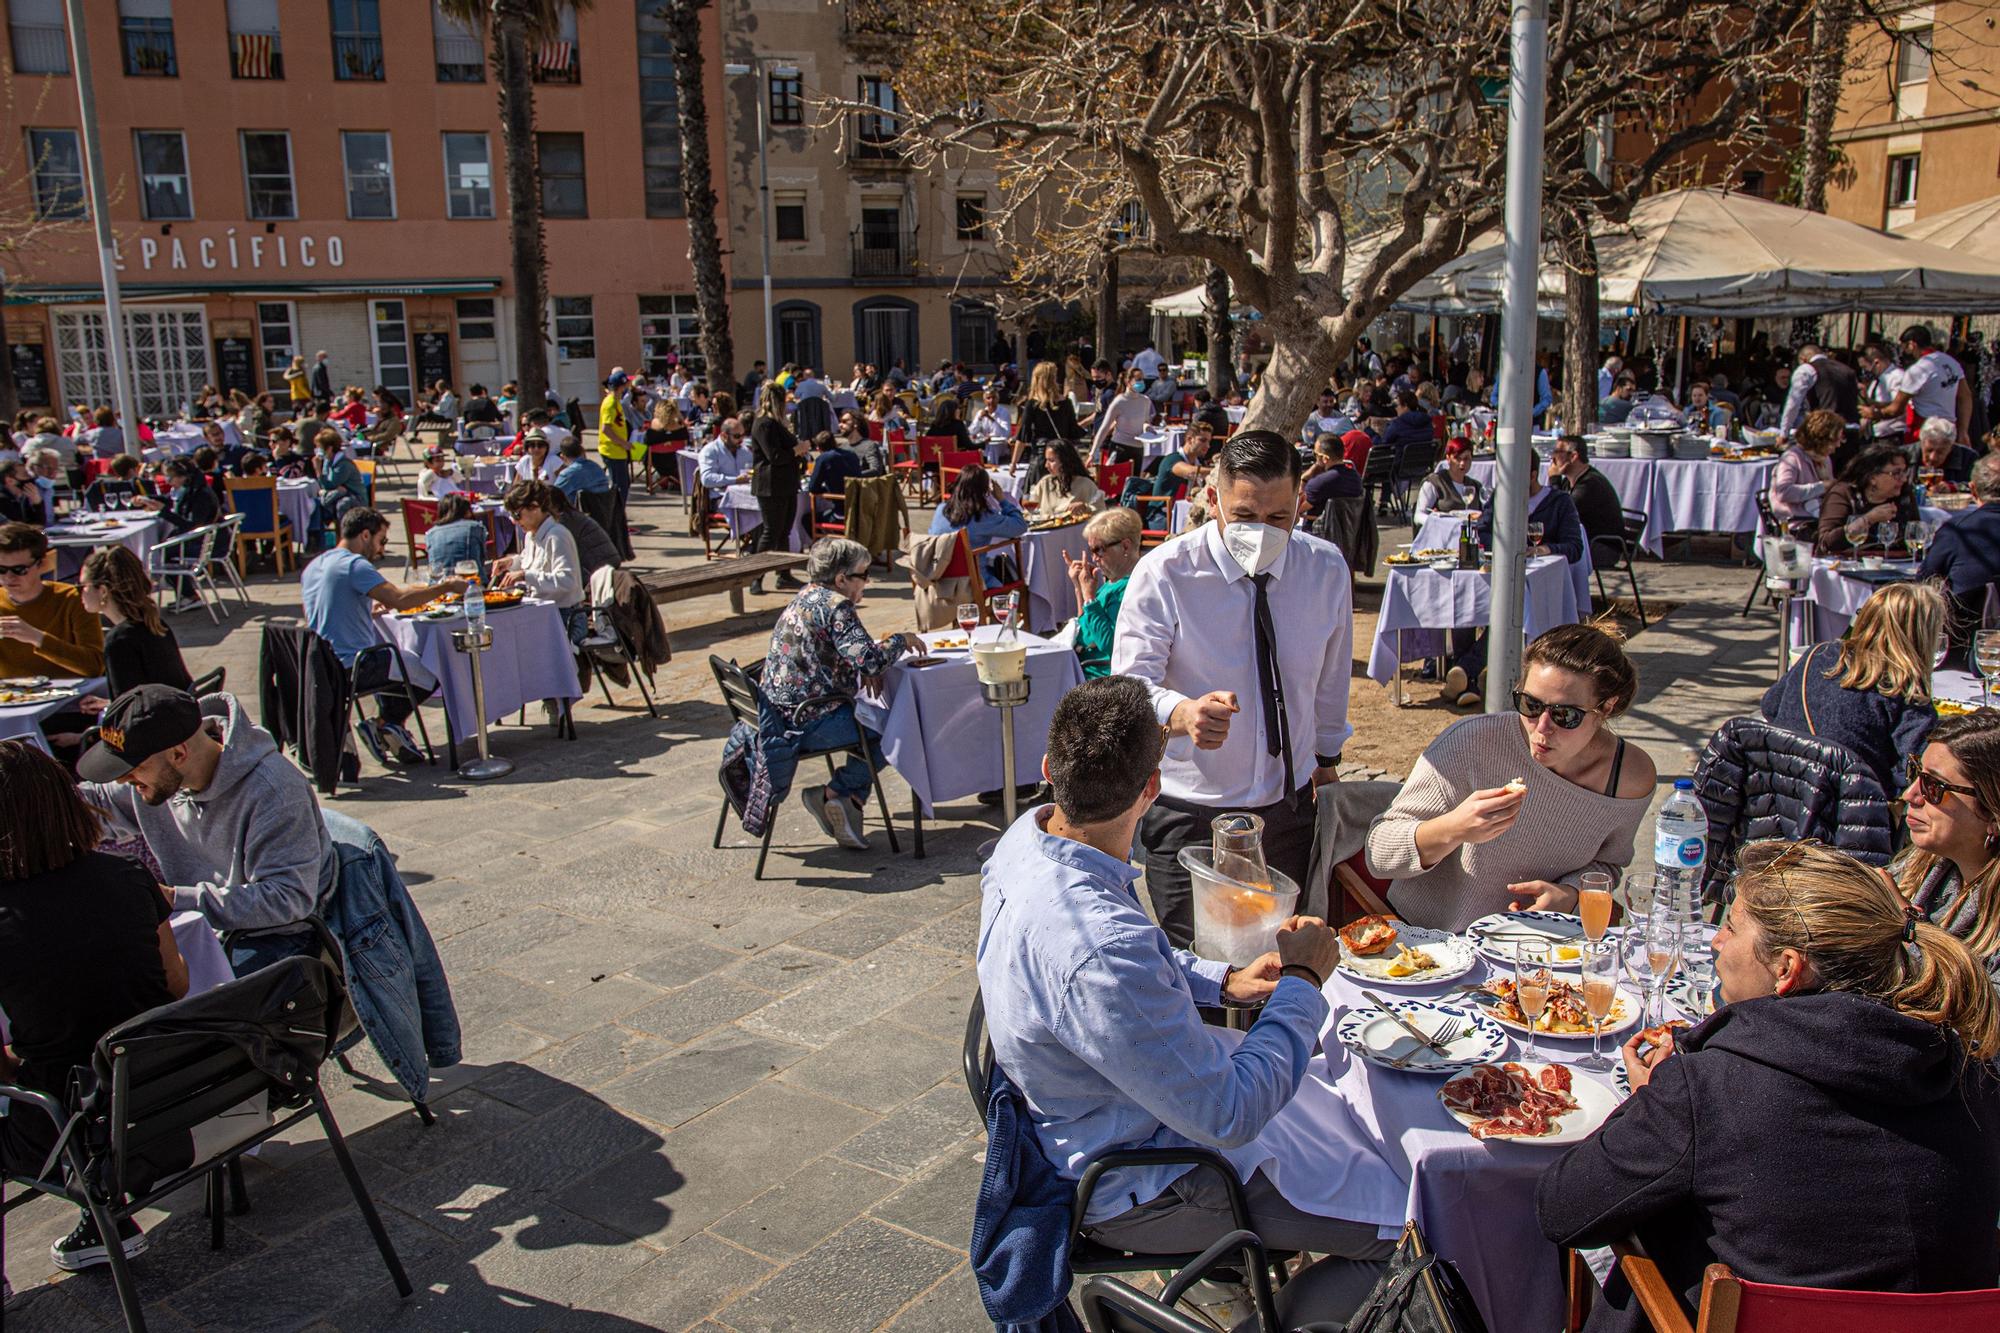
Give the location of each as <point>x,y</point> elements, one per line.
<point>968,617</point>
<point>1916,536</point>
<point>1697,959</point>
<point>1004,607</point>
<point>1661,945</point>
<point>1532,980</point>
<point>1593,904</point>
<point>1534,535</point>
<point>1600,992</point>
<point>1886,535</point>
<point>1986,660</point>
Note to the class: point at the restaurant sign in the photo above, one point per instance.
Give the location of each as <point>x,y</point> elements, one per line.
<point>235,250</point>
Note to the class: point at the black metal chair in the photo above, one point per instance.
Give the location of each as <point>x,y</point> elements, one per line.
<point>1111,1305</point>
<point>1768,528</point>
<point>739,693</point>
<point>1414,462</point>
<point>179,1082</point>
<point>211,683</point>
<point>386,674</point>
<point>1623,550</point>
<point>1379,478</point>
<point>607,644</point>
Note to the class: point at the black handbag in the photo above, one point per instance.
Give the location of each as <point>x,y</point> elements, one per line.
<point>1421,1293</point>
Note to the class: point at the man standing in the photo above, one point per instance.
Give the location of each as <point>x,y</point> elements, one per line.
<point>1820,384</point>
<point>321,382</point>
<point>1148,362</point>
<point>234,826</point>
<point>1884,383</point>
<point>1241,615</point>
<point>619,443</point>
<point>1933,385</point>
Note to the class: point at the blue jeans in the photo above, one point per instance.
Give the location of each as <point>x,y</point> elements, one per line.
<point>781,744</point>
<point>248,954</point>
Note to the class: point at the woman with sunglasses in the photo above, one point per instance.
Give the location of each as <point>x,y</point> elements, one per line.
<point>1831,1126</point>
<point>1950,872</point>
<point>1506,811</point>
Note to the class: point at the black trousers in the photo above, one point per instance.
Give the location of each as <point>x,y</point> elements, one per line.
<point>1124,453</point>
<point>1171,825</point>
<point>778,512</point>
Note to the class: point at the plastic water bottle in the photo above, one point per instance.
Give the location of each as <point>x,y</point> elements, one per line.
<point>475,611</point>
<point>1680,846</point>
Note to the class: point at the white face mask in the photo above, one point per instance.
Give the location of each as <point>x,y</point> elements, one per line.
<point>1255,546</point>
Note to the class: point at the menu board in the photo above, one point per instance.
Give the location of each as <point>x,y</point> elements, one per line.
<point>31,374</point>
<point>235,366</point>
<point>433,358</point>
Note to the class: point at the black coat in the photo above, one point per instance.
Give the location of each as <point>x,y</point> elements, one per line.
<point>1820,1140</point>
<point>1758,781</point>
<point>779,467</point>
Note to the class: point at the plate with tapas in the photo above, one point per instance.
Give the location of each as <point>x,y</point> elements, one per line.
<point>27,698</point>
<point>1563,1014</point>
<point>1496,936</point>
<point>1381,1040</point>
<point>1383,950</point>
<point>1540,1104</point>
<point>946,641</point>
<point>1058,521</point>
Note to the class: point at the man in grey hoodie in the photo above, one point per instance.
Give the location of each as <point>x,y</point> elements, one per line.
<point>235,828</point>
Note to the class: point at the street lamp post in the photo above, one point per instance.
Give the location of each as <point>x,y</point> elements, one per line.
<point>764,204</point>
<point>107,252</point>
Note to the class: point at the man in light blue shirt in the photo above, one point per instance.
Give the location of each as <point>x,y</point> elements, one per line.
<point>1092,1012</point>
<point>577,476</point>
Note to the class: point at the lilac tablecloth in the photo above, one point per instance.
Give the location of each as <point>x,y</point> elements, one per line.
<point>944,738</point>
<point>740,508</point>
<point>488,478</point>
<point>689,462</point>
<point>298,498</point>
<point>23,722</point>
<point>136,531</point>
<point>1051,596</point>
<point>1678,495</point>
<point>1418,603</point>
<point>530,660</point>
<point>1440,532</point>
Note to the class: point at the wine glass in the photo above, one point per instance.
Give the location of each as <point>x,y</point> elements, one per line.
<point>1593,904</point>
<point>1886,535</point>
<point>968,616</point>
<point>1534,535</point>
<point>1916,536</point>
<point>1698,956</point>
<point>1986,660</point>
<point>1532,980</point>
<point>1600,992</point>
<point>1661,945</point>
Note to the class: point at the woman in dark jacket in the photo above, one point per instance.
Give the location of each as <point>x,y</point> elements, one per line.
<point>1875,489</point>
<point>139,647</point>
<point>1833,1125</point>
<point>193,502</point>
<point>780,466</point>
<point>1870,692</point>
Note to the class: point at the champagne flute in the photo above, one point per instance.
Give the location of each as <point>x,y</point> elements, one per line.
<point>1593,904</point>
<point>1662,944</point>
<point>1698,959</point>
<point>968,617</point>
<point>1986,660</point>
<point>1532,980</point>
<point>1003,611</point>
<point>1600,992</point>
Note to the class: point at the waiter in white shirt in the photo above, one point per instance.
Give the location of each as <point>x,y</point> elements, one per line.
<point>1243,629</point>
<point>1934,385</point>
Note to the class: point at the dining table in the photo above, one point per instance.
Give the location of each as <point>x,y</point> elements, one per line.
<point>73,539</point>
<point>1419,604</point>
<point>1676,494</point>
<point>298,501</point>
<point>23,722</point>
<point>530,660</point>
<point>1439,532</point>
<point>739,508</point>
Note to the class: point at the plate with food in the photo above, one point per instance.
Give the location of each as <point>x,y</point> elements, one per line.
<point>947,642</point>
<point>26,698</point>
<point>1380,1040</point>
<point>1545,1105</point>
<point>1563,1015</point>
<point>1052,524</point>
<point>24,683</point>
<point>1953,708</point>
<point>1496,936</point>
<point>1395,953</point>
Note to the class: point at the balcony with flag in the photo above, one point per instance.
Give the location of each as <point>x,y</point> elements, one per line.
<point>556,62</point>
<point>255,55</point>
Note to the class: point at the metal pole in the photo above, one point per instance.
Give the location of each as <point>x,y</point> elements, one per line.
<point>1527,91</point>
<point>764,192</point>
<point>1007,798</point>
<point>107,252</point>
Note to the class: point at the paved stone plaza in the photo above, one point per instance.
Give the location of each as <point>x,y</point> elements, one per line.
<point>689,1100</point>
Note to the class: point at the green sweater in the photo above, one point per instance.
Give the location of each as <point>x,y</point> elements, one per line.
<point>1095,624</point>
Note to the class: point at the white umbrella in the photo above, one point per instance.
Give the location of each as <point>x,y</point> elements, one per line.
<point>1970,229</point>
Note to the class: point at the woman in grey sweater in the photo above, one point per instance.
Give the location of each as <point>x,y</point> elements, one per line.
<point>1505,811</point>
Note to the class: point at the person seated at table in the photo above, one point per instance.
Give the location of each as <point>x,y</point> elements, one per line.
<point>1330,476</point>
<point>1176,473</point>
<point>1704,416</point>
<point>666,431</point>
<point>44,628</point>
<point>287,462</point>
<point>1111,542</point>
<point>947,419</point>
<point>86,942</point>
<point>1093,1013</point>
<point>389,419</point>
<point>1615,407</point>
<point>191,504</point>
<point>726,460</point>
<point>546,565</point>
<point>594,547</point>
<point>886,411</point>
<point>436,480</point>
<point>833,464</point>
<point>985,516</point>
<point>576,475</point>
<point>107,438</point>
<point>20,498</point>
<point>852,434</point>
<point>1065,486</point>
<point>1964,554</point>
<point>45,467</point>
<point>232,824</point>
<point>342,485</point>
<point>481,410</point>
<point>1870,692</point>
<point>1950,871</point>
<point>1938,450</point>
<point>1804,473</point>
<point>1874,490</point>
<point>139,647</point>
<point>538,460</point>
<point>456,536</point>
<point>1326,419</point>
<point>1596,499</point>
<point>342,593</point>
<point>1412,425</point>
<point>992,426</point>
<point>1846,1080</point>
<point>820,655</point>
<point>1452,488</point>
<point>352,412</point>
<point>1460,842</point>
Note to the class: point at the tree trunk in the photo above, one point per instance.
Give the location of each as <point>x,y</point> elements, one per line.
<point>1221,336</point>
<point>1579,258</point>
<point>1108,348</point>
<point>515,73</point>
<point>10,402</point>
<point>1303,356</point>
<point>711,286</point>
<point>1832,22</point>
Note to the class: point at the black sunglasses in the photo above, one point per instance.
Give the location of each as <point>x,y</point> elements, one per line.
<point>1931,786</point>
<point>1567,716</point>
<point>17,571</point>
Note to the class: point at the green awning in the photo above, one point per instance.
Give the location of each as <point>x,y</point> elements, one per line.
<point>47,294</point>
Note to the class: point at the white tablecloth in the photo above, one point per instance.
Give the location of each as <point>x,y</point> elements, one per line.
<point>1418,603</point>
<point>1440,532</point>
<point>1678,495</point>
<point>530,660</point>
<point>688,460</point>
<point>24,721</point>
<point>208,967</point>
<point>740,508</point>
<point>1161,441</point>
<point>1051,596</point>
<point>298,500</point>
<point>944,738</point>
<point>136,530</point>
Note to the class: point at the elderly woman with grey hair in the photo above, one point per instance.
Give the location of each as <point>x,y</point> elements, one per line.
<point>820,655</point>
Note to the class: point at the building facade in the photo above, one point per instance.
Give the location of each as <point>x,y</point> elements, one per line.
<point>291,176</point>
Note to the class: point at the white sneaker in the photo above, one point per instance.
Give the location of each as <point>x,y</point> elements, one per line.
<point>843,821</point>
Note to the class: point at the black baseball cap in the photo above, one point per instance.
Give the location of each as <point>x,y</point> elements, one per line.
<point>137,725</point>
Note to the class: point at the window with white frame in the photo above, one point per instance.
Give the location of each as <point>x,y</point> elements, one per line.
<point>1903,180</point>
<point>267,176</point>
<point>165,194</point>
<point>55,162</point>
<point>166,346</point>
<point>278,336</point>
<point>35,31</point>
<point>468,176</point>
<point>576,328</point>
<point>371,177</point>
<point>1913,55</point>
<point>669,326</point>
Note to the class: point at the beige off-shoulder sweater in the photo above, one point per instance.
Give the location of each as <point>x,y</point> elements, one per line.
<point>1563,830</point>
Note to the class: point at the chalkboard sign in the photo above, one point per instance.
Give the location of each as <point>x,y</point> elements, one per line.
<point>235,366</point>
<point>31,375</point>
<point>433,358</point>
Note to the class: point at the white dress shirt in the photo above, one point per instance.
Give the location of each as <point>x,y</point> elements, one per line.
<point>721,465</point>
<point>1185,629</point>
<point>1881,390</point>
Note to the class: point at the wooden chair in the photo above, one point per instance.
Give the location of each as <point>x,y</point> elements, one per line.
<point>256,499</point>
<point>419,517</point>
<point>954,461</point>
<point>367,467</point>
<point>708,521</point>
<point>964,564</point>
<point>927,461</point>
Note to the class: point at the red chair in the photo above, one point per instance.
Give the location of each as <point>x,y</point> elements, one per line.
<point>964,564</point>
<point>1730,1304</point>
<point>954,461</point>
<point>926,462</point>
<point>419,517</point>
<point>1111,478</point>
<point>93,468</point>
<point>1149,536</point>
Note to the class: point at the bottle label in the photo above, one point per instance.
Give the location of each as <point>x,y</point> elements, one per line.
<point>1670,849</point>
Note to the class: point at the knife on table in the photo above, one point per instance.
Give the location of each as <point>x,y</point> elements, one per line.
<point>1404,1023</point>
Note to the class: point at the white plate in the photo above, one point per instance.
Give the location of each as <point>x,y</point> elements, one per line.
<point>1454,958</point>
<point>1594,1102</point>
<point>1377,1039</point>
<point>1682,992</point>
<point>36,698</point>
<point>24,683</point>
<point>1491,935</point>
<point>1624,1016</point>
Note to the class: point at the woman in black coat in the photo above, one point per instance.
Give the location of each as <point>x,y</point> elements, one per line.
<point>779,456</point>
<point>1835,1124</point>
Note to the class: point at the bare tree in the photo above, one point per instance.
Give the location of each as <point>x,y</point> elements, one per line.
<point>711,285</point>
<point>26,225</point>
<point>1221,335</point>
<point>1263,139</point>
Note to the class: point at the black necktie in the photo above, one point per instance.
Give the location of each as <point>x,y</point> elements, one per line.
<point>1271,685</point>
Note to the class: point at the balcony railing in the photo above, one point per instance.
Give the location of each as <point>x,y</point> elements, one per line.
<point>255,55</point>
<point>357,55</point>
<point>40,48</point>
<point>557,62</point>
<point>460,59</point>
<point>884,252</point>
<point>149,54</point>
